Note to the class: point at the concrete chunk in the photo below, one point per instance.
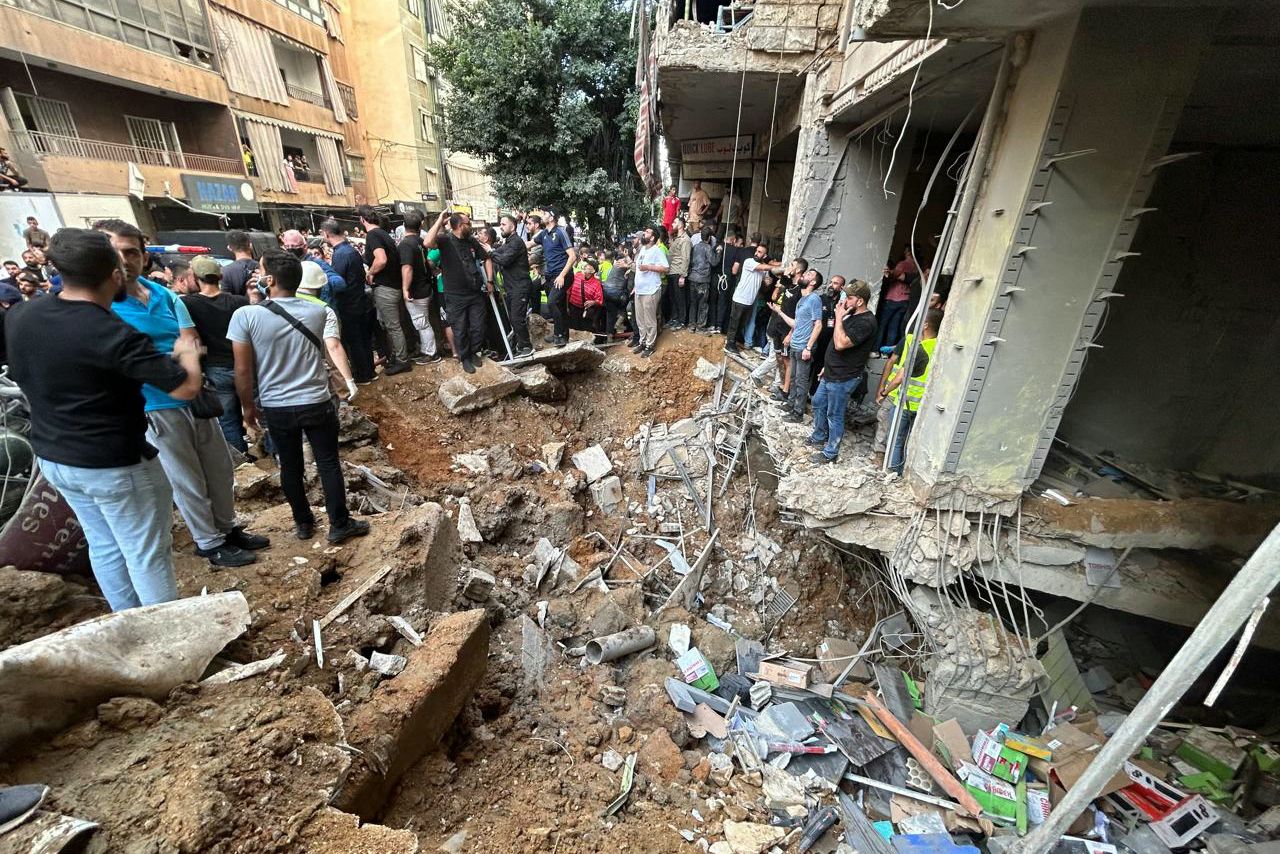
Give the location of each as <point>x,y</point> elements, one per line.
<point>469,392</point>
<point>540,384</point>
<point>593,462</point>
<point>553,455</point>
<point>479,585</point>
<point>574,357</point>
<point>608,493</point>
<point>468,532</point>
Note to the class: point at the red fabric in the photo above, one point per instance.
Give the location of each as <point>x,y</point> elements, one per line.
<point>670,209</point>
<point>900,291</point>
<point>585,290</point>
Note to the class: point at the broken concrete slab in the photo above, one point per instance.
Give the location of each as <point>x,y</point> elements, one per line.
<point>828,493</point>
<point>50,681</point>
<point>387,665</point>
<point>467,530</point>
<point>468,392</point>
<point>1051,552</point>
<point>405,718</point>
<point>251,481</point>
<point>478,586</point>
<point>553,455</point>
<point>746,837</point>
<point>540,384</point>
<point>593,462</point>
<point>607,494</point>
<point>707,371</point>
<point>574,357</point>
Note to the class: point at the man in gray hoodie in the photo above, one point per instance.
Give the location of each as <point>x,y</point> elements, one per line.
<point>702,260</point>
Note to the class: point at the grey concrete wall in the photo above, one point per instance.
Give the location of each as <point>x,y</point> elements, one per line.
<point>1001,395</point>
<point>1187,376</point>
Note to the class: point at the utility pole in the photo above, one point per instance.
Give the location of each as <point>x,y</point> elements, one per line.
<point>1252,583</point>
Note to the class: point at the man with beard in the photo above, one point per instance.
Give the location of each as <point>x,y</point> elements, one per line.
<point>82,370</point>
<point>512,257</point>
<point>651,267</point>
<point>461,256</point>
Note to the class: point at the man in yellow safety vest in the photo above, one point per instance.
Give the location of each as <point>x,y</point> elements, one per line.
<point>888,395</point>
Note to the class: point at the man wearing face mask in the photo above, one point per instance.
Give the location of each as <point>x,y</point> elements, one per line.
<point>82,370</point>
<point>462,257</point>
<point>295,243</point>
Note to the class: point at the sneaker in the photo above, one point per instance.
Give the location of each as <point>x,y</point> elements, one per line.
<point>636,348</point>
<point>821,458</point>
<point>816,442</point>
<point>779,396</point>
<point>422,360</point>
<point>468,366</point>
<point>240,538</point>
<point>646,352</point>
<point>228,555</point>
<point>674,326</point>
<point>304,530</point>
<point>633,342</point>
<point>433,359</point>
<point>792,418</point>
<point>561,342</point>
<point>372,379</point>
<point>17,803</point>
<point>397,368</point>
<point>477,359</point>
<point>524,351</point>
<point>353,528</point>
<point>732,348</point>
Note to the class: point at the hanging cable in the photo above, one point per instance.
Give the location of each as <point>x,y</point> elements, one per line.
<point>915,78</point>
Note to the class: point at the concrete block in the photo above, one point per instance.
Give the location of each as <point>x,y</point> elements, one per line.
<point>608,493</point>
<point>468,392</point>
<point>540,384</point>
<point>479,585</point>
<point>405,719</point>
<point>553,455</point>
<point>782,39</point>
<point>468,532</point>
<point>593,462</point>
<point>574,357</point>
<point>786,15</point>
<point>829,17</point>
<point>1060,553</point>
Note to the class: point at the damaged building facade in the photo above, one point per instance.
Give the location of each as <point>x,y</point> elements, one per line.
<point>1084,179</point>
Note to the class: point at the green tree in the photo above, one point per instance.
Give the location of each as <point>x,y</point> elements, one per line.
<point>543,90</point>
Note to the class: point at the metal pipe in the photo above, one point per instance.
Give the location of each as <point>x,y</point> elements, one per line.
<point>609,647</point>
<point>915,323</point>
<point>978,160</point>
<point>1251,585</point>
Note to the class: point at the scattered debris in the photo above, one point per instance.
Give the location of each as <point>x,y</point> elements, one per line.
<point>593,462</point>
<point>479,585</point>
<point>387,665</point>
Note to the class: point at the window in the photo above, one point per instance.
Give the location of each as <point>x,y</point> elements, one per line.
<point>415,8</point>
<point>420,65</point>
<point>172,27</point>
<point>434,19</point>
<point>156,141</point>
<point>348,100</point>
<point>428,126</point>
<point>44,115</point>
<point>355,168</point>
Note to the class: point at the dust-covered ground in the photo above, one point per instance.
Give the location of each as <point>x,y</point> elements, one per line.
<point>521,769</point>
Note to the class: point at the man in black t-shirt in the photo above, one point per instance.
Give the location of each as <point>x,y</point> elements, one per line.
<point>786,293</point>
<point>382,258</point>
<point>235,278</point>
<point>418,288</point>
<point>464,291</point>
<point>82,369</point>
<point>846,358</point>
<point>211,308</point>
<point>512,257</point>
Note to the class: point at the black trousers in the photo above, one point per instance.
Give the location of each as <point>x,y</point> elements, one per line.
<point>319,422</point>
<point>519,293</point>
<point>559,299</point>
<point>738,316</point>
<point>357,340</point>
<point>466,319</point>
<point>679,299</point>
<point>726,302</point>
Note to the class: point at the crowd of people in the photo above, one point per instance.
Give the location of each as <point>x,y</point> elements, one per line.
<point>145,377</point>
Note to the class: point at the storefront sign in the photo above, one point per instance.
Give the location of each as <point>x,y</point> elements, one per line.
<point>219,195</point>
<point>714,171</point>
<point>403,208</point>
<point>716,148</point>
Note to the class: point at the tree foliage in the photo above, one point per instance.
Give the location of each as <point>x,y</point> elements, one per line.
<point>543,90</point>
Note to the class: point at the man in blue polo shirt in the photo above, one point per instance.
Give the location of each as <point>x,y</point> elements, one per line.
<point>558,258</point>
<point>193,451</point>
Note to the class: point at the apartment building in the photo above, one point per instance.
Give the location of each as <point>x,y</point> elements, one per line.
<point>408,166</point>
<point>180,114</point>
<point>1089,184</point>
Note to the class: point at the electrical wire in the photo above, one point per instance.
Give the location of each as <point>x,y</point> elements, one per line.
<point>911,93</point>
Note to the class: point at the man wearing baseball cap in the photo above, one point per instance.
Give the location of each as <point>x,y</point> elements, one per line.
<point>211,308</point>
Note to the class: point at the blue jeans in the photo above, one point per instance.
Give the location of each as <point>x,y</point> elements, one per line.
<point>231,420</point>
<point>749,334</point>
<point>829,405</point>
<point>892,317</point>
<point>897,456</point>
<point>127,517</point>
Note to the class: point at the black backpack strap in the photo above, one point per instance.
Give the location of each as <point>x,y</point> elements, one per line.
<point>295,323</point>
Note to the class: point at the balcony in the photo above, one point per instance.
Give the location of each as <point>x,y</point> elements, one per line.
<point>302,93</point>
<point>51,144</point>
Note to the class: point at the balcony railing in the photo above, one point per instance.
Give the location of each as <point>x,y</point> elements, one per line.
<point>96,149</point>
<point>302,93</point>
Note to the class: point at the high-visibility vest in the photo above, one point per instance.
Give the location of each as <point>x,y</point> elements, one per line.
<point>915,385</point>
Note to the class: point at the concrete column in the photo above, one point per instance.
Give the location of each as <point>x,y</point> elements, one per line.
<point>1089,112</point>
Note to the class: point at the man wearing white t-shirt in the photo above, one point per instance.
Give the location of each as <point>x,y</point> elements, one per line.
<point>651,266</point>
<point>744,295</point>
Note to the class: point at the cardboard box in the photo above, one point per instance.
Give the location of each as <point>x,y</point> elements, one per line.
<point>998,759</point>
<point>791,674</point>
<point>1038,805</point>
<point>1028,745</point>
<point>697,670</point>
<point>1073,750</point>
<point>834,656</point>
<point>949,743</point>
<point>1211,752</point>
<point>996,797</point>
